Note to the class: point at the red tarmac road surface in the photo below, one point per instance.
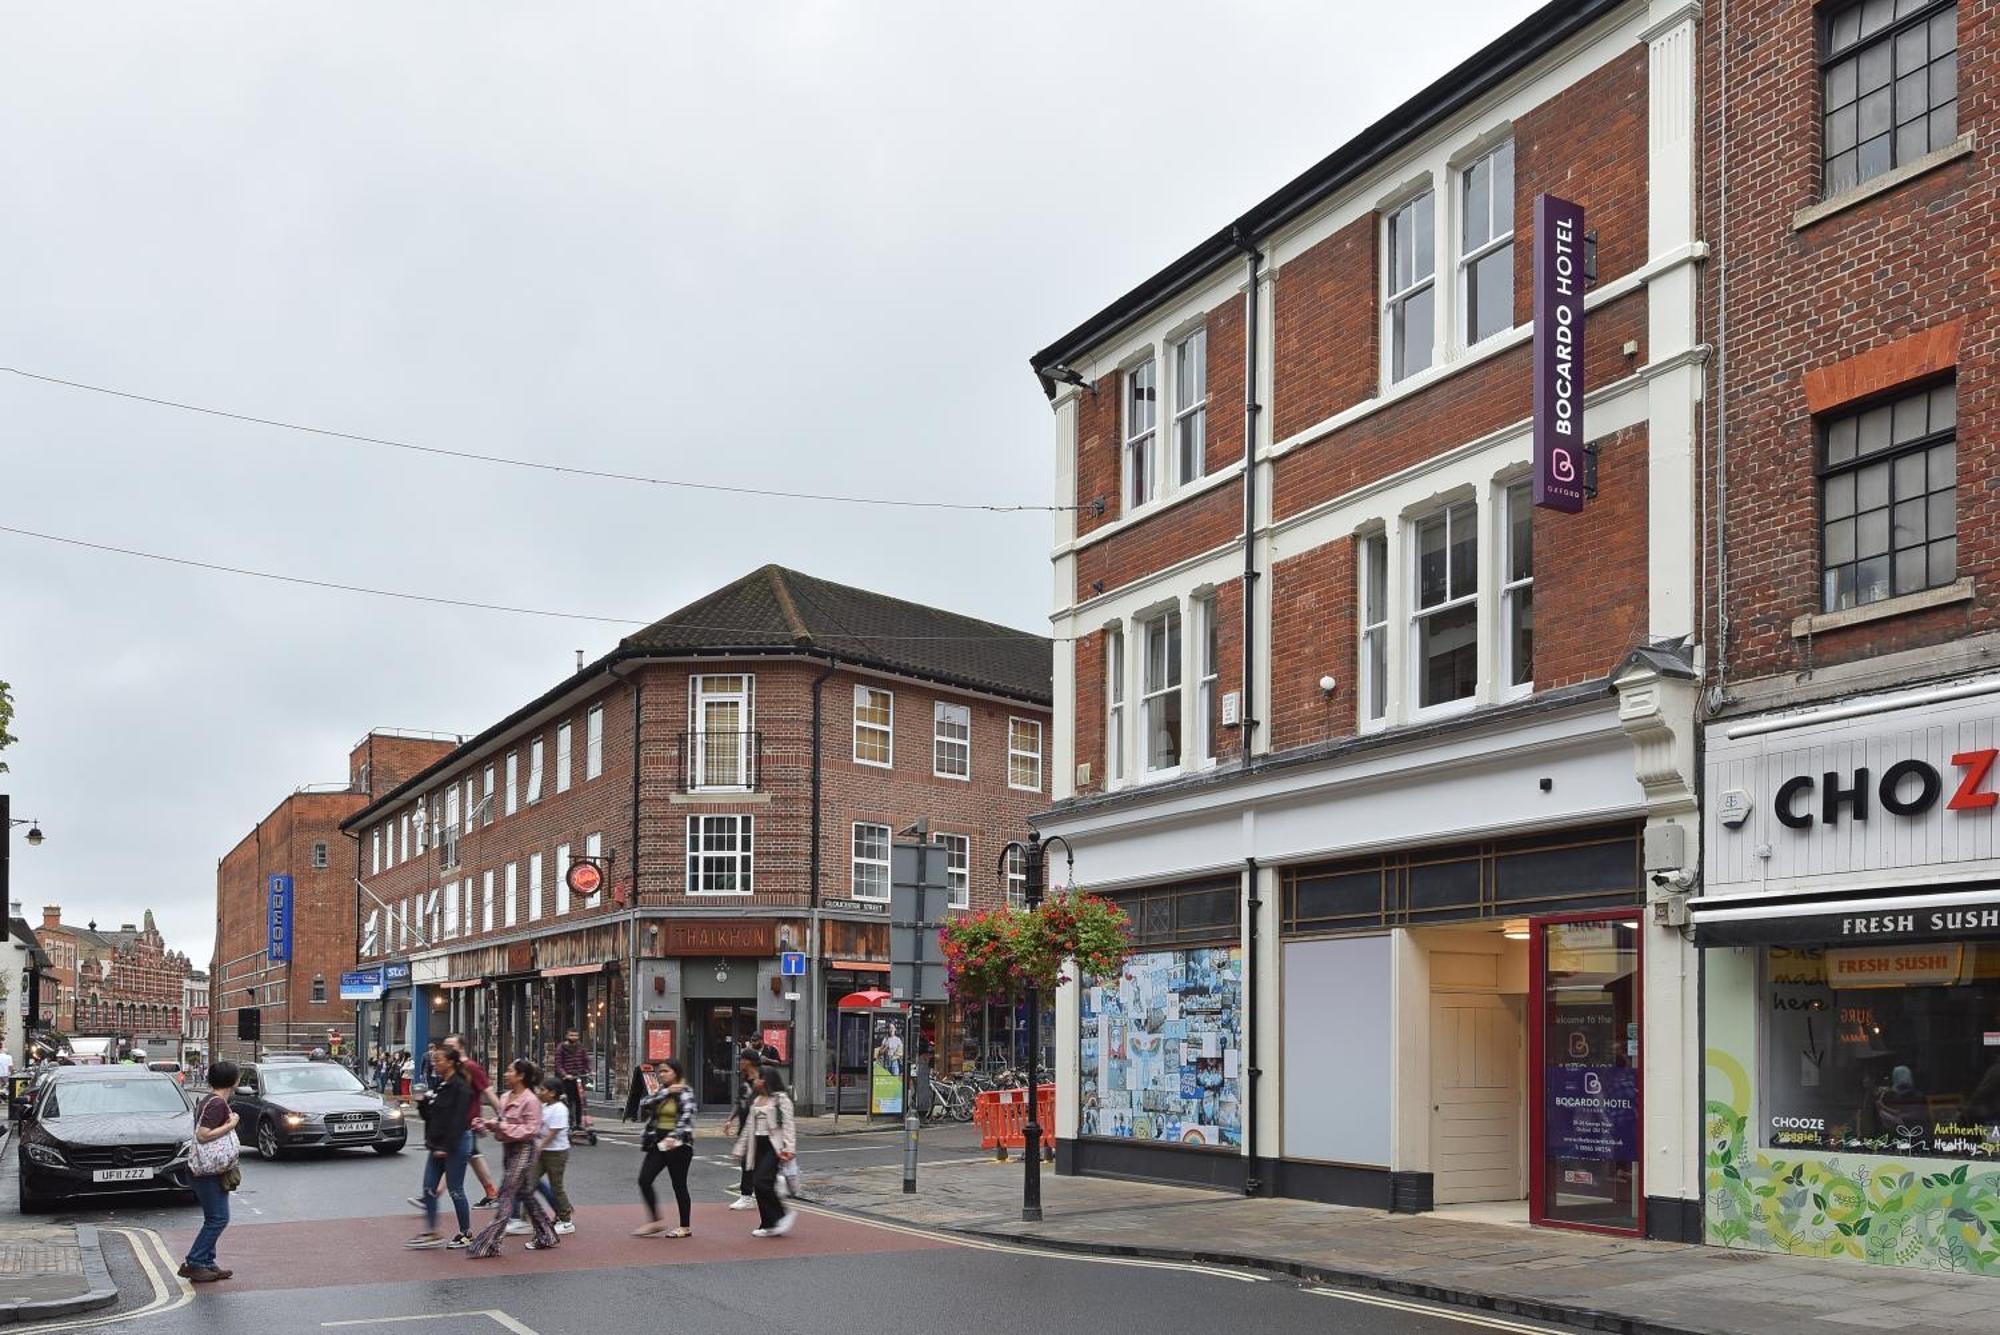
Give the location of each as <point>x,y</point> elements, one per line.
<point>310,1254</point>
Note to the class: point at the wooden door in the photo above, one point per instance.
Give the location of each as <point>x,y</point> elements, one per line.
<point>1475,1098</point>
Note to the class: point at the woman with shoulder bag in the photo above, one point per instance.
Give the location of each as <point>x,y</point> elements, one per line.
<point>769,1140</point>
<point>448,1145</point>
<point>519,1129</point>
<point>668,1113</point>
<point>213,1171</point>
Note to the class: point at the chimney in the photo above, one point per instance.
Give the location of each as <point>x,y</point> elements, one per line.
<point>579,660</point>
<point>13,908</point>
<point>51,917</point>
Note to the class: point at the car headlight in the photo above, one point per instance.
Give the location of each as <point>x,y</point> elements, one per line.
<point>294,1120</point>
<point>393,1115</point>
<point>187,1148</point>
<point>46,1154</point>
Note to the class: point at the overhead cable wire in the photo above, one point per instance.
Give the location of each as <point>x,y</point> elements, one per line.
<point>437,599</point>
<point>538,465</point>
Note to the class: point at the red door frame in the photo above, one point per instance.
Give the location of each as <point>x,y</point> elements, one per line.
<point>1537,1131</point>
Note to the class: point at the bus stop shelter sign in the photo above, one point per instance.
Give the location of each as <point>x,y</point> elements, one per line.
<point>1559,287</point>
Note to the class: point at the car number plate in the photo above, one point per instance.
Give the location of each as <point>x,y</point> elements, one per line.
<point>349,1124</point>
<point>121,1174</point>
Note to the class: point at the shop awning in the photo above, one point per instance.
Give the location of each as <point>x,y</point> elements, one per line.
<point>858,966</point>
<point>1965,914</point>
<point>565,970</point>
<point>453,984</point>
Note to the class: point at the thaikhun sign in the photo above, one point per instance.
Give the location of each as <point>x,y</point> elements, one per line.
<point>1559,286</point>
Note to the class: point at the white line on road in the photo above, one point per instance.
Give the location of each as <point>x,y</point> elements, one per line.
<point>1432,1309</point>
<point>499,1318</point>
<point>169,1290</point>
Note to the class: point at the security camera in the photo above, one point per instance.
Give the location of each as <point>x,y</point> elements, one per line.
<point>1678,879</point>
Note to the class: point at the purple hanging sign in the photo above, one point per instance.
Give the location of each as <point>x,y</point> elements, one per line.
<point>1559,286</point>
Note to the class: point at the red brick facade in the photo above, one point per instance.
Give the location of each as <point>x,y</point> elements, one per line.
<point>125,983</point>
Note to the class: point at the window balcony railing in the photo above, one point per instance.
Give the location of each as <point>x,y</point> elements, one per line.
<point>721,762</point>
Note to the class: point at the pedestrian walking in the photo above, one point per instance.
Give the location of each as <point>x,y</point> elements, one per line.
<point>213,1172</point>
<point>448,1141</point>
<point>748,1067</point>
<point>518,1128</point>
<point>669,1144</point>
<point>769,1139</point>
<point>552,1161</point>
<point>483,1098</point>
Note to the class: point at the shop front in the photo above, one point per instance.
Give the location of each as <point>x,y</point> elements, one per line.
<point>1851,962</point>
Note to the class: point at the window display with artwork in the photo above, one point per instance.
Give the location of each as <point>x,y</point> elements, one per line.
<point>1162,1049</point>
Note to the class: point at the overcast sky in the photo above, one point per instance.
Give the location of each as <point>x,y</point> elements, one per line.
<point>801,245</point>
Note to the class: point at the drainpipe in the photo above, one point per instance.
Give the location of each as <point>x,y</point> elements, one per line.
<point>816,988</point>
<point>1253,263</point>
<point>1253,1185</point>
<point>635,1029</point>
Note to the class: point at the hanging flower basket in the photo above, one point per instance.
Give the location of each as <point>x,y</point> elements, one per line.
<point>997,954</point>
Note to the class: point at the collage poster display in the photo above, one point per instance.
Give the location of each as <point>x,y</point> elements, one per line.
<point>1163,1050</point>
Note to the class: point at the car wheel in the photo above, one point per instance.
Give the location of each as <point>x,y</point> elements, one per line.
<point>267,1141</point>
<point>396,1148</point>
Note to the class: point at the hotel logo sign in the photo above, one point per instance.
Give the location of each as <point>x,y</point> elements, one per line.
<point>1560,457</point>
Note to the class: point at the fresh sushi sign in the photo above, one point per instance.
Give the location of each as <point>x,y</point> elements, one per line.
<point>1560,457</point>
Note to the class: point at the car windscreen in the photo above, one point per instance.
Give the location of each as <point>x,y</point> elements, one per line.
<point>317,1078</point>
<point>91,1098</point>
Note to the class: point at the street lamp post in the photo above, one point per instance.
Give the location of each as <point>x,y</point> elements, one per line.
<point>7,824</point>
<point>1034,856</point>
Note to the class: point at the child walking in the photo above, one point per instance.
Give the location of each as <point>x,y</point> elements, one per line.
<point>519,1128</point>
<point>552,1161</point>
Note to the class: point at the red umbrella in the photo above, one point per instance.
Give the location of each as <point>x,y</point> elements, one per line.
<point>868,998</point>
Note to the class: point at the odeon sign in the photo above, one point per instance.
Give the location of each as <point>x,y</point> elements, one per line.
<point>1906,788</point>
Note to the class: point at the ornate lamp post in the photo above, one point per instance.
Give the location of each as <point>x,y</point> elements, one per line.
<point>1033,856</point>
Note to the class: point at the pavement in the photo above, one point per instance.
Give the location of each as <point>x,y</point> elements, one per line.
<point>1586,1280</point>
<point>51,1270</point>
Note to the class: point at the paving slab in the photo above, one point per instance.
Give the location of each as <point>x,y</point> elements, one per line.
<point>1588,1280</point>
<point>51,1270</point>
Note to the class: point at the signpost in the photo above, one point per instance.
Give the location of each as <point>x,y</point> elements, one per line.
<point>1561,462</point>
<point>278,920</point>
<point>919,905</point>
<point>792,964</point>
<point>361,985</point>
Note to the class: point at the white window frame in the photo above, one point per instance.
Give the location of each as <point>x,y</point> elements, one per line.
<point>565,747</point>
<point>403,841</point>
<point>1015,752</point>
<point>486,901</point>
<point>1514,591</point>
<point>944,712</point>
<point>510,884</point>
<point>1139,448</point>
<point>1017,879</point>
<point>1206,652</point>
<point>562,879</point>
<point>886,730</point>
<point>422,818</point>
<point>1395,297</point>
<point>1373,567</point>
<point>471,806</point>
<point>701,695</point>
<point>369,933</point>
<point>534,887</point>
<point>1190,413</point>
<point>958,868</point>
<point>593,847</point>
<point>1115,712</point>
<point>513,782</point>
<point>451,809</point>
<point>1496,240</point>
<point>1453,601</point>
<point>699,856</point>
<point>486,802</point>
<point>322,855</point>
<point>1161,695</point>
<point>535,770</point>
<point>858,863</point>
<point>450,910</point>
<point>375,861</point>
<point>593,743</point>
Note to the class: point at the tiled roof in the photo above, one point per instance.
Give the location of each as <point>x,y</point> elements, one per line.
<point>775,608</point>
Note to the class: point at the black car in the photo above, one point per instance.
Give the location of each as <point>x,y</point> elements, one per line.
<point>103,1130</point>
<point>312,1105</point>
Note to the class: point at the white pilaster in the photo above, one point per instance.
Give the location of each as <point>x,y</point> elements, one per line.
<point>1062,748</point>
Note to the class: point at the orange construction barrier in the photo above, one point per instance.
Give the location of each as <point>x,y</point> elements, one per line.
<point>1001,1115</point>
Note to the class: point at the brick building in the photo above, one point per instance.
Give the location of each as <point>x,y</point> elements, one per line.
<point>1351,724</point>
<point>125,984</point>
<point>737,772</point>
<point>299,844</point>
<point>1854,609</point>
<point>195,1028</point>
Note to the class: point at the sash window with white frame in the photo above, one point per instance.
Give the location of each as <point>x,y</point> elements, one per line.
<point>1889,499</point>
<point>593,847</point>
<point>370,935</point>
<point>951,749</point>
<point>535,771</point>
<point>1017,879</point>
<point>377,841</point>
<point>471,807</point>
<point>871,862</point>
<point>510,885</point>
<point>486,798</point>
<point>565,744</point>
<point>1517,590</point>
<point>1374,628</point>
<point>562,879</point>
<point>1207,699</point>
<point>451,909</point>
<point>1024,754</point>
<point>1190,407</point>
<point>1160,691</point>
<point>1486,250</point>
<point>513,782</point>
<point>1142,412</point>
<point>874,727</point>
<point>486,901</point>
<point>1445,619</point>
<point>958,868</point>
<point>534,887</point>
<point>721,713</point>
<point>593,742</point>
<point>1410,313</point>
<point>1114,713</point>
<point>719,854</point>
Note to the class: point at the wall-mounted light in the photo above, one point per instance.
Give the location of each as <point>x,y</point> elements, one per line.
<point>1515,929</point>
<point>1327,685</point>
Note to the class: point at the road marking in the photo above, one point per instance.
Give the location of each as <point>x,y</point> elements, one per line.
<point>499,1318</point>
<point>1433,1310</point>
<point>984,1245</point>
<point>167,1296</point>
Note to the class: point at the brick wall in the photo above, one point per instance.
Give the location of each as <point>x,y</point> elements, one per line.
<point>1225,386</point>
<point>1312,635</point>
<point>1804,303</point>
<point>1099,450</point>
<point>1173,534</point>
<point>1328,335</point>
<point>1590,572</point>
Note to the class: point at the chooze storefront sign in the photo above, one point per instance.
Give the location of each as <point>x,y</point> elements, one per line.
<point>1904,798</point>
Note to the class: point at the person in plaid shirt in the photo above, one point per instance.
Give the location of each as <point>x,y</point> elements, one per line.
<point>572,1064</point>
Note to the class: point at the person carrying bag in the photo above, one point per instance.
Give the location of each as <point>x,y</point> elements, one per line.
<point>214,1172</point>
